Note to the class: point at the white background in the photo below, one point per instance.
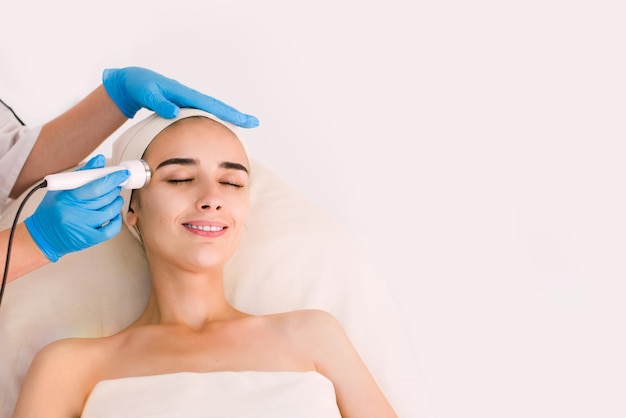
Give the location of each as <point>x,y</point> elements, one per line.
<point>477,146</point>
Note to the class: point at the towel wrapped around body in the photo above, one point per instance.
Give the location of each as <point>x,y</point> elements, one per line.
<point>249,394</point>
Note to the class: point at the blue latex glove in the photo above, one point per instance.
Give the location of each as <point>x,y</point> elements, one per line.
<point>132,88</point>
<point>72,220</point>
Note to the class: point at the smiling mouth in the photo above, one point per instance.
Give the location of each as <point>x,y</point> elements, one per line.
<point>206,228</point>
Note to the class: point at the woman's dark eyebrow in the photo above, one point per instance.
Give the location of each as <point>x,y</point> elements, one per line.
<point>179,161</point>
<point>233,166</point>
<point>193,161</point>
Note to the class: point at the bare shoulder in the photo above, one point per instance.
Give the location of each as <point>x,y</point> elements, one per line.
<point>69,350</point>
<point>308,320</point>
<point>59,378</point>
<point>313,330</point>
<point>73,361</point>
<point>58,353</point>
<point>309,315</point>
<point>320,337</point>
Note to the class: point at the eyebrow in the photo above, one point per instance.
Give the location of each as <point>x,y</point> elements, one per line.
<point>233,166</point>
<point>193,161</point>
<point>178,161</point>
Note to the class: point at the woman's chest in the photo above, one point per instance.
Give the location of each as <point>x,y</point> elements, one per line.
<point>215,350</point>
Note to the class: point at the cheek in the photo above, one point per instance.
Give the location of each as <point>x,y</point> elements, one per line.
<point>240,207</point>
<point>155,208</point>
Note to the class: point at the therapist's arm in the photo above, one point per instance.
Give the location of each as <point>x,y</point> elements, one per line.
<point>25,255</point>
<point>66,140</point>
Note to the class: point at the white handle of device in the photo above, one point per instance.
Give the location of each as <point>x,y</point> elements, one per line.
<point>139,176</point>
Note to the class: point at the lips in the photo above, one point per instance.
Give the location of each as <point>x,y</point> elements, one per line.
<point>208,229</point>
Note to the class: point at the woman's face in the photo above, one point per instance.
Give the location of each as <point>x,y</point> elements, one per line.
<point>192,212</point>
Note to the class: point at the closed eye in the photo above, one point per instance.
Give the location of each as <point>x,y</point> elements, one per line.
<point>227,183</point>
<point>179,181</point>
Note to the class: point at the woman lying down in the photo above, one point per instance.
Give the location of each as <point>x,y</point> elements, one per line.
<point>190,353</point>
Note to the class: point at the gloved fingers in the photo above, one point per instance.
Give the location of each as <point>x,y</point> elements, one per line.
<point>98,190</point>
<point>156,102</point>
<point>110,229</point>
<point>103,215</point>
<point>80,236</point>
<point>97,161</point>
<point>100,233</point>
<point>186,97</point>
<point>71,203</point>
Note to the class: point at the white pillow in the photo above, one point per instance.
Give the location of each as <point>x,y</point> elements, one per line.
<point>292,255</point>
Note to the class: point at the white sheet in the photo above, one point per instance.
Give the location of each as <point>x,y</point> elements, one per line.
<point>247,394</point>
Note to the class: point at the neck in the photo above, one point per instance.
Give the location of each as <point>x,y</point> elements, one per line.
<point>191,300</point>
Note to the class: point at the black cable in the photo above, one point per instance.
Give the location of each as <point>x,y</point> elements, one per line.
<point>17,216</point>
<point>14,114</point>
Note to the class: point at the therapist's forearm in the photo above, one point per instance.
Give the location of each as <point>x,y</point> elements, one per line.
<point>66,140</point>
<point>25,255</point>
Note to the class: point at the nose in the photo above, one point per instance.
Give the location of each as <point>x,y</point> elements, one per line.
<point>210,199</point>
<point>209,206</point>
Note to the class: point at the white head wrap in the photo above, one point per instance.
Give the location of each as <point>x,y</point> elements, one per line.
<point>132,144</point>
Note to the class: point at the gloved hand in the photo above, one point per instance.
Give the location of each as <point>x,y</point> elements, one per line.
<point>72,220</point>
<point>132,88</point>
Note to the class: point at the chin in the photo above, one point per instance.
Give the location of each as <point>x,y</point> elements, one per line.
<point>206,262</point>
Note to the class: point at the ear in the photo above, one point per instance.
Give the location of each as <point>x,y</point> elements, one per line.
<point>131,216</point>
